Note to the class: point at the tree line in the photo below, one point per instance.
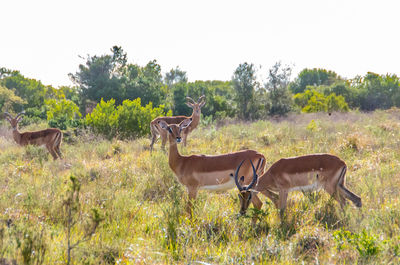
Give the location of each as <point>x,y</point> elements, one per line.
<point>109,82</point>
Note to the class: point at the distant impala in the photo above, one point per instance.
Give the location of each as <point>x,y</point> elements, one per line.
<point>209,172</point>
<point>156,130</point>
<point>51,138</point>
<point>309,172</point>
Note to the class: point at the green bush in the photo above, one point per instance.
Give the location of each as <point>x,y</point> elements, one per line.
<point>366,243</point>
<point>128,120</point>
<point>104,119</point>
<point>61,113</point>
<point>314,101</point>
<point>134,120</point>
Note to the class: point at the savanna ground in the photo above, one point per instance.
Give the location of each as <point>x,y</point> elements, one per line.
<point>141,217</point>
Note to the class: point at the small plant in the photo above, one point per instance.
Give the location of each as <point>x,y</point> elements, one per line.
<point>36,152</point>
<point>312,126</point>
<point>366,244</point>
<point>171,222</point>
<point>72,215</point>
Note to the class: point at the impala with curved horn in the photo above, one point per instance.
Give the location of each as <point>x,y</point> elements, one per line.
<point>156,130</point>
<point>51,138</point>
<point>306,173</point>
<point>208,172</point>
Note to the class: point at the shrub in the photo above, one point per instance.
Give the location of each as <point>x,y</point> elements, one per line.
<point>134,120</point>
<point>366,243</point>
<point>313,101</point>
<point>130,119</point>
<point>104,119</point>
<point>61,113</point>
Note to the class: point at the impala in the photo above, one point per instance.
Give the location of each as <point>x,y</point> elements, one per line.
<point>207,172</point>
<point>51,138</point>
<point>306,173</point>
<point>156,130</point>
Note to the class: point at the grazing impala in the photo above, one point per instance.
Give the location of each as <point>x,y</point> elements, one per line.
<point>208,172</point>
<point>50,137</point>
<point>306,173</point>
<point>156,130</point>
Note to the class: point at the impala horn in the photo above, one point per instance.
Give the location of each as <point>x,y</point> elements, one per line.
<point>254,177</point>
<point>201,98</point>
<point>190,99</point>
<point>19,114</point>
<point>236,177</point>
<point>8,115</point>
<point>259,163</point>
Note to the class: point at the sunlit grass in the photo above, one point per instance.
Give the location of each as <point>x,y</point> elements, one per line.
<point>143,206</point>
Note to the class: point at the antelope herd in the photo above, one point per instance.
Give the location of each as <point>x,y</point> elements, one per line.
<point>221,172</point>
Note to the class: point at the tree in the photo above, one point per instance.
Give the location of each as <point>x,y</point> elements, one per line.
<point>175,76</point>
<point>31,90</point>
<point>377,91</point>
<point>313,101</point>
<point>313,77</point>
<point>279,97</point>
<point>9,101</point>
<point>145,83</point>
<point>245,83</point>
<point>219,97</point>
<point>61,112</point>
<point>101,77</point>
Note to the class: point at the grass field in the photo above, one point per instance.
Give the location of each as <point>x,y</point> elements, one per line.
<point>130,209</point>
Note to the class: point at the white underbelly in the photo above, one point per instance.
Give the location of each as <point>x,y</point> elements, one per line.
<point>312,187</point>
<point>220,187</point>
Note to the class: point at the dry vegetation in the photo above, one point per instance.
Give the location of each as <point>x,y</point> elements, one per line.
<point>132,203</point>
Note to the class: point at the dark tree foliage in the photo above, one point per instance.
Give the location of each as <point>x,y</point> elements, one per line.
<point>279,97</point>
<point>377,91</point>
<point>313,77</point>
<point>245,83</point>
<point>31,90</point>
<point>101,77</point>
<point>145,83</point>
<point>219,97</point>
<point>175,76</point>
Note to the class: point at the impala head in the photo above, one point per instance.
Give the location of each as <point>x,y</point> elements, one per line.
<point>196,106</point>
<point>174,130</point>
<point>245,193</point>
<point>14,121</point>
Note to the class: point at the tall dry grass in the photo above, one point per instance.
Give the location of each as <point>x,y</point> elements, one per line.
<point>142,205</point>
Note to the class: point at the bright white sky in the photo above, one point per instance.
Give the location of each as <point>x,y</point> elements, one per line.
<point>206,38</point>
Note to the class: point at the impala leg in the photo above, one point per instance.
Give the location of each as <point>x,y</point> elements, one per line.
<point>51,150</point>
<point>283,195</point>
<point>57,149</point>
<point>184,136</point>
<point>257,203</point>
<point>163,141</point>
<point>153,139</point>
<point>56,145</point>
<point>192,194</point>
<point>272,196</point>
<point>344,193</point>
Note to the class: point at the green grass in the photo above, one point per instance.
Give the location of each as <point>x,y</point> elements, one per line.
<point>142,206</point>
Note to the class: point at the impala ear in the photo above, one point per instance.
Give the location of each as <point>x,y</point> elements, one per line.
<point>185,123</point>
<point>163,125</point>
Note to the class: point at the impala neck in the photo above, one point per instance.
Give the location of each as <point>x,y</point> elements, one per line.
<point>195,119</point>
<point>265,181</point>
<point>174,155</point>
<point>16,135</point>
